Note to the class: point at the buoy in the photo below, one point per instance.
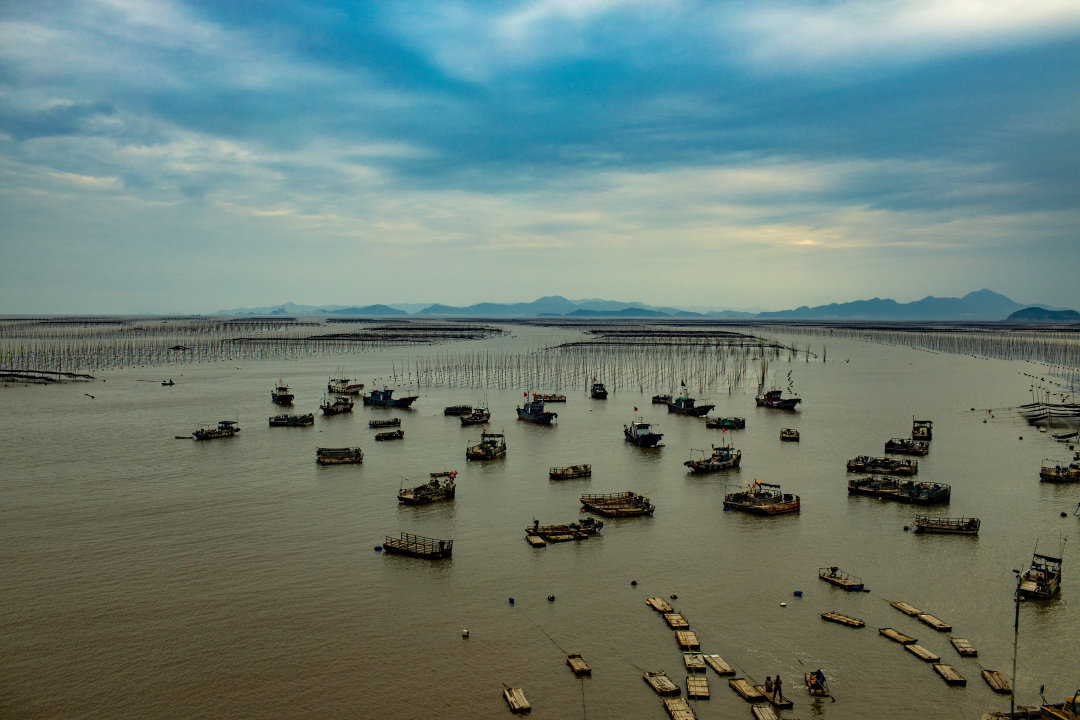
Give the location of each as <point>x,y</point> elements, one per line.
<point>465,633</point>
<point>511,601</point>
<point>1064,514</point>
<point>1022,437</point>
<point>633,583</point>
<point>783,604</point>
<point>905,528</point>
<point>378,548</point>
<point>551,598</point>
<point>674,596</point>
<point>798,593</point>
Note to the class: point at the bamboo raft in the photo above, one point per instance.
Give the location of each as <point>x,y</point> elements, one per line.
<point>515,698</point>
<point>578,664</point>
<point>697,687</point>
<point>833,616</point>
<point>783,703</point>
<point>936,623</point>
<point>964,647</point>
<point>717,663</point>
<point>536,541</point>
<point>687,640</point>
<point>679,709</point>
<point>419,546</point>
<point>659,604</point>
<point>906,608</point>
<point>922,653</point>
<point>764,712</point>
<point>694,661</point>
<point>997,683</point>
<point>676,621</point>
<point>748,692</point>
<point>948,674</point>
<point>897,636</point>
<point>661,683</point>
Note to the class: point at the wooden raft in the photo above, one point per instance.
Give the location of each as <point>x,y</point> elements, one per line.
<point>578,664</point>
<point>697,686</point>
<point>659,604</point>
<point>687,640</point>
<point>764,712</point>
<point>676,621</point>
<point>964,647</point>
<point>661,683</point>
<point>997,683</point>
<point>905,608</point>
<point>922,653</point>
<point>743,687</point>
<point>783,703</point>
<point>949,674</point>
<point>717,663</point>
<point>694,661</point>
<point>679,709</point>
<point>833,616</point>
<point>535,541</point>
<point>936,623</point>
<point>897,636</point>
<point>515,698</point>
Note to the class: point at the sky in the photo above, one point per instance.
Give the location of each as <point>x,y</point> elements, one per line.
<point>165,156</point>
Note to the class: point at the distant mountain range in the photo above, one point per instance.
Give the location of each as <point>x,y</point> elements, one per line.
<point>978,306</point>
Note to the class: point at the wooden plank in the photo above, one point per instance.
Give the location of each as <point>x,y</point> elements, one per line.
<point>779,702</point>
<point>997,683</point>
<point>676,621</point>
<point>905,608</point>
<point>659,604</point>
<point>679,709</point>
<point>515,698</point>
<point>897,636</point>
<point>922,653</point>
<point>743,687</point>
<point>717,663</point>
<point>964,647</point>
<point>936,623</point>
<point>687,640</point>
<point>694,661</point>
<point>949,674</point>
<point>697,686</point>
<point>833,616</point>
<point>764,712</point>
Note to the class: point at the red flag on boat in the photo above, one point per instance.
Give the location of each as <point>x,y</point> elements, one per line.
<point>526,393</point>
<point>635,408</point>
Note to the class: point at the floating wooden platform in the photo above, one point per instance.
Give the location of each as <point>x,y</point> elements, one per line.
<point>697,686</point>
<point>659,604</point>
<point>783,703</point>
<point>764,712</point>
<point>997,683</point>
<point>419,546</point>
<point>515,698</point>
<point>922,653</point>
<point>676,621</point>
<point>897,636</point>
<point>694,662</point>
<point>936,623</point>
<point>964,647</point>
<point>833,616</point>
<point>679,709</point>
<point>906,608</point>
<point>578,664</point>
<point>948,674</point>
<point>749,692</point>
<point>687,639</point>
<point>535,541</point>
<point>835,576</point>
<point>661,683</point>
<point>717,663</point>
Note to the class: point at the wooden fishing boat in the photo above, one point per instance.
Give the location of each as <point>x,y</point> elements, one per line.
<point>623,504</point>
<point>343,386</point>
<point>478,416</point>
<point>338,405</point>
<point>661,399</point>
<point>841,619</point>
<point>281,394</point>
<point>441,486</point>
<point>569,472</point>
<point>1067,710</point>
<point>683,405</point>
<point>339,456</point>
<point>694,662</point>
<point>722,457</point>
<point>578,665</point>
<point>533,411</point>
<point>385,398</point>
<point>889,466</point>
<point>660,682</point>
<point>908,491</point>
<point>389,422</point>
<point>419,546</point>
<point>789,435</point>
<point>748,692</point>
<point>390,435</point>
<point>292,420</point>
<point>580,530</point>
<point>457,410</point>
<point>897,636</point>
<point>491,446</point>
<point>945,525</point>
<point>598,391</point>
<point>964,647</point>
<point>949,674</point>
<point>1042,579</point>
<point>717,663</point>
<point>905,607</point>
<point>1057,472</point>
<point>922,653</point>
<point>549,397</point>
<point>224,429</point>
<point>922,430</point>
<point>763,712</point>
<point>678,708</point>
<point>835,576</point>
<point>815,684</point>
<point>725,423</point>
<point>516,700</point>
<point>762,499</point>
<point>996,682</point>
<point>774,398</point>
<point>676,621</point>
<point>934,622</point>
<point>640,433</point>
<point>780,702</point>
<point>906,446</point>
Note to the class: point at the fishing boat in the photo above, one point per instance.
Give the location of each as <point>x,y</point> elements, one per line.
<point>168,383</point>
<point>661,683</point>
<point>891,466</point>
<point>641,434</point>
<point>224,429</point>
<point>623,504</point>
<point>1068,710</point>
<point>909,491</point>
<point>491,446</point>
<point>684,405</point>
<point>578,665</point>
<point>281,394</point>
<point>762,499</point>
<point>457,410</point>
<point>516,700</point>
<point>816,685</point>
<point>947,525</point>
<point>478,416</point>
<point>1054,471</point>
<point>789,435</point>
<point>774,397</point>
<point>723,457</point>
<point>441,486</point>
<point>292,420</point>
<point>922,430</point>
<point>389,422</point>
<point>835,576</point>
<point>579,530</point>
<point>598,391</point>
<point>419,546</point>
<point>569,472</point>
<point>725,423</point>
<point>533,411</point>
<point>385,398</point>
<point>339,456</point>
<point>343,386</point>
<point>906,446</point>
<point>661,399</point>
<point>549,397</point>
<point>1042,579</point>
<point>390,435</point>
<point>336,406</point>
